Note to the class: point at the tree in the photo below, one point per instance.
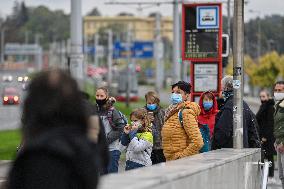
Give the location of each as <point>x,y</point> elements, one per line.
<point>94,12</point>
<point>267,70</point>
<point>125,14</point>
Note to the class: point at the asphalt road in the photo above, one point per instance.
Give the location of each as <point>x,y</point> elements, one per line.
<point>10,114</point>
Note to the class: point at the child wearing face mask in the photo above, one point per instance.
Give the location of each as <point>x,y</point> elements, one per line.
<point>138,139</point>
<point>209,109</point>
<point>156,115</point>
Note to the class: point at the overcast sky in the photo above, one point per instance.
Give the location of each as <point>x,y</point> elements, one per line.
<point>261,7</point>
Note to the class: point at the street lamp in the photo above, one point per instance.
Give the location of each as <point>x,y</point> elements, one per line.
<point>259,32</point>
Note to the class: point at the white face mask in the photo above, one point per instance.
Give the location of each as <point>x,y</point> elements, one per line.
<point>279,96</point>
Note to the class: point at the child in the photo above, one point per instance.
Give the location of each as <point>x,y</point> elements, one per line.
<point>139,140</point>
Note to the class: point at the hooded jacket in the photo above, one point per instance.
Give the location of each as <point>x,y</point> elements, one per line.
<point>208,117</point>
<point>178,141</point>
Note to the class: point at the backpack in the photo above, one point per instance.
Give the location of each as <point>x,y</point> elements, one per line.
<point>204,130</point>
<point>110,117</point>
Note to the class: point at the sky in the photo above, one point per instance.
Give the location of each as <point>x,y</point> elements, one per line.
<point>259,7</point>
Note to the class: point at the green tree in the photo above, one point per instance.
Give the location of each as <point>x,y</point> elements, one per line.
<point>94,12</point>
<point>267,70</point>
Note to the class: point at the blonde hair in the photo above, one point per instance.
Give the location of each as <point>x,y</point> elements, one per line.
<point>152,95</point>
<point>142,115</point>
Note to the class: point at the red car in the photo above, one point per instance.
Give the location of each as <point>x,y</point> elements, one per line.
<point>10,96</point>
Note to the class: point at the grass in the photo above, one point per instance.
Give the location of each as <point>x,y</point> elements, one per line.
<point>9,143</point>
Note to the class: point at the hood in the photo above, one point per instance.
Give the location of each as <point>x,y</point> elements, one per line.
<point>213,110</point>
<point>192,106</point>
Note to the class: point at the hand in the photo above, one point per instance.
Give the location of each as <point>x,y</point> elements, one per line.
<point>263,139</point>
<point>127,129</point>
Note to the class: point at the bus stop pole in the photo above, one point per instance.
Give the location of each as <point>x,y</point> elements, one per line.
<point>129,70</point>
<point>238,61</point>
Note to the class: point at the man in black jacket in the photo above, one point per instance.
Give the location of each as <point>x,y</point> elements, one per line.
<point>265,120</point>
<point>223,131</point>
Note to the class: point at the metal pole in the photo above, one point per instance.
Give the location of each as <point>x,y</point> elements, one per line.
<point>76,55</point>
<point>238,55</point>
<point>158,54</point>
<point>109,59</point>
<point>176,46</point>
<point>96,44</point>
<point>129,54</point>
<point>2,45</point>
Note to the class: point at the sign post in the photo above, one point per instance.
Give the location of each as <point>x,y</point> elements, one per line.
<point>202,46</point>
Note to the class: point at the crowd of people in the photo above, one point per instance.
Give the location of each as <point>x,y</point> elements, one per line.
<point>66,136</point>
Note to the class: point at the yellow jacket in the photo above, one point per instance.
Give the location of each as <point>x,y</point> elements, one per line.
<point>178,141</point>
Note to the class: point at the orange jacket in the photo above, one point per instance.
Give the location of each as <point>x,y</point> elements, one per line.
<point>178,141</point>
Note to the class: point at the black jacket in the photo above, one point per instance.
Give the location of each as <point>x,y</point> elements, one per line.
<point>223,130</point>
<point>265,119</point>
<point>62,158</point>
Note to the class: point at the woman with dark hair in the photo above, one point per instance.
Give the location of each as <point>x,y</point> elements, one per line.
<point>57,153</point>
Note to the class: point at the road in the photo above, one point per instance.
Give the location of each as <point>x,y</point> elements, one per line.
<point>10,114</point>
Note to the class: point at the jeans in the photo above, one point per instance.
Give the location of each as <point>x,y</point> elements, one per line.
<point>280,160</point>
<point>132,165</point>
<point>113,163</point>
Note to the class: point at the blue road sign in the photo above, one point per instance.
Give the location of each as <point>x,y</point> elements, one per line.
<point>139,50</point>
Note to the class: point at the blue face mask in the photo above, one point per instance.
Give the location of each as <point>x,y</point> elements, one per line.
<point>176,98</point>
<point>207,105</point>
<point>151,107</point>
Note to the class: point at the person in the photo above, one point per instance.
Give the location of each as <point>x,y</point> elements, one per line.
<point>138,139</point>
<point>156,115</point>
<point>57,152</point>
<point>278,127</point>
<point>265,121</point>
<point>223,130</point>
<point>181,140</point>
<point>113,122</point>
<point>209,109</point>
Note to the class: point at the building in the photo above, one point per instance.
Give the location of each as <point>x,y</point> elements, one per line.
<point>143,27</point>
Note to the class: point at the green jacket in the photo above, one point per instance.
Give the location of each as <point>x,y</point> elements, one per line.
<point>279,122</point>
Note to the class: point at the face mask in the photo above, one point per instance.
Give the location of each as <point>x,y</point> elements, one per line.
<point>136,123</point>
<point>176,98</point>
<point>279,96</point>
<point>151,107</point>
<point>207,105</point>
<point>101,102</point>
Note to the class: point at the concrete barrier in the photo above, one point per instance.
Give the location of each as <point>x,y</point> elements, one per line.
<point>220,169</point>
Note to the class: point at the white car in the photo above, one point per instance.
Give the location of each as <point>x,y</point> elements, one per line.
<point>7,78</point>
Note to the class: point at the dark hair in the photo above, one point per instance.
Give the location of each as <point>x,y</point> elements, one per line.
<point>53,100</point>
<point>279,83</point>
<point>185,86</point>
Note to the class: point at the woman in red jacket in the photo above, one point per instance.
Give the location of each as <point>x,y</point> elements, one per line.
<point>209,109</point>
